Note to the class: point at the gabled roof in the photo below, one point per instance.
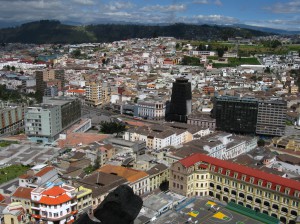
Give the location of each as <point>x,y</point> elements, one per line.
<point>130,174</point>
<point>22,192</point>
<point>242,170</point>
<point>44,171</point>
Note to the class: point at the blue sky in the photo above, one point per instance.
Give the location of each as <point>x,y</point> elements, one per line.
<point>283,14</point>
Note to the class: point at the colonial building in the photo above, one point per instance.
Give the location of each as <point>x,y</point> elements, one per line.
<point>169,134</point>
<point>151,110</point>
<point>200,175</point>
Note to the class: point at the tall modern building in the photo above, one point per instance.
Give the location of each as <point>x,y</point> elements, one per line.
<point>250,115</point>
<point>271,117</point>
<point>97,93</point>
<point>12,118</point>
<point>44,123</point>
<point>181,101</point>
<point>53,76</point>
<point>235,114</point>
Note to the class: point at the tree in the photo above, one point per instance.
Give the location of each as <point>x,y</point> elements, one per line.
<point>261,143</point>
<point>76,53</point>
<point>267,70</point>
<point>220,52</point>
<point>13,68</point>
<point>112,127</point>
<point>96,163</point>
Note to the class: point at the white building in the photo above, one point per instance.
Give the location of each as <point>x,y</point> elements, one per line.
<point>56,204</point>
<point>152,110</point>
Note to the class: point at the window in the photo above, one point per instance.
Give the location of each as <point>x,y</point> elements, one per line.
<point>295,203</point>
<point>277,187</point>
<point>269,185</point>
<point>276,197</point>
<point>251,180</point>
<point>235,175</point>
<point>243,177</point>
<point>267,194</point>
<point>285,200</point>
<point>227,172</point>
<point>287,190</point>
<point>220,170</point>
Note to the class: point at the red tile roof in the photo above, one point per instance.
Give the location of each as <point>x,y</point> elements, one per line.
<point>243,170</point>
<point>44,171</point>
<point>23,192</point>
<point>2,198</point>
<point>54,196</point>
<point>54,191</point>
<point>54,201</point>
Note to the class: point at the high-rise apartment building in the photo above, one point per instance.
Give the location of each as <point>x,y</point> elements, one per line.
<point>44,123</point>
<point>271,117</point>
<point>250,115</point>
<point>97,93</point>
<point>181,101</point>
<point>12,118</point>
<point>235,114</point>
<point>56,76</point>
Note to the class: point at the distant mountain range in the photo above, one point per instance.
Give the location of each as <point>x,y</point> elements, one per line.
<point>266,29</point>
<point>49,31</point>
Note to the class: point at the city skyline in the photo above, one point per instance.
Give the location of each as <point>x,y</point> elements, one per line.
<point>267,13</point>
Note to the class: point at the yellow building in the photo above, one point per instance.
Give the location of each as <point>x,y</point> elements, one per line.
<point>84,200</point>
<point>157,175</point>
<point>294,89</point>
<point>200,175</point>
<point>14,213</point>
<point>23,195</point>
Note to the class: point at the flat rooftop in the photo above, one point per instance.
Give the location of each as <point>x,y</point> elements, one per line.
<point>200,211</point>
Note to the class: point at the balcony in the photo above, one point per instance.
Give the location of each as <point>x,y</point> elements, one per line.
<point>36,216</point>
<point>35,208</point>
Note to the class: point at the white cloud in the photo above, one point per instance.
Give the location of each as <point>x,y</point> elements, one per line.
<point>217,19</point>
<point>285,8</point>
<point>164,8</point>
<point>84,2</point>
<point>115,6</point>
<point>201,2</point>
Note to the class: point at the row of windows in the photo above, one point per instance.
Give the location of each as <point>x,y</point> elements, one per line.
<point>243,178</point>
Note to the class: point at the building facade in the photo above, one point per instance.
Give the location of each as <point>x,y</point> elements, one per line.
<point>49,75</point>
<point>151,110</point>
<point>54,205</point>
<point>202,120</point>
<point>12,119</point>
<point>200,175</point>
<point>181,101</point>
<point>234,114</point>
<point>97,93</point>
<point>250,115</point>
<point>45,122</point>
<point>271,117</point>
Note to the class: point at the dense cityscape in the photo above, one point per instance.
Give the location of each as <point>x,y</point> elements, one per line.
<point>201,131</point>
